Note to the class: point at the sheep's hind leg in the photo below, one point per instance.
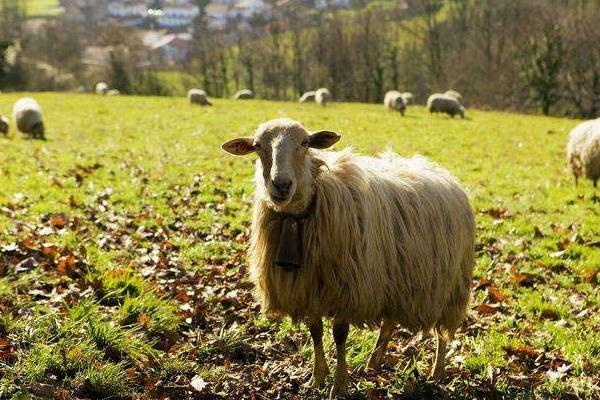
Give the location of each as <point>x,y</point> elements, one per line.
<point>320,370</point>
<point>385,333</point>
<point>340,383</point>
<point>439,366</point>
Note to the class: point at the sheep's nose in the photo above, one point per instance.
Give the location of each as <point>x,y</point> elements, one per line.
<point>282,185</point>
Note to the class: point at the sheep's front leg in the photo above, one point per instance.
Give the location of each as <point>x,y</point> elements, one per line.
<point>439,365</point>
<point>385,333</point>
<point>320,370</point>
<point>340,383</point>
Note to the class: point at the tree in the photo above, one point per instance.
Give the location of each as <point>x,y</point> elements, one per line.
<point>541,66</point>
<point>119,75</point>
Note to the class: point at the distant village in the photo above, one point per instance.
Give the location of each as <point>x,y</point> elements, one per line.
<point>165,26</point>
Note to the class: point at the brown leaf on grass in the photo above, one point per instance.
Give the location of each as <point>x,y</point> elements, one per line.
<point>591,275</point>
<point>66,265</point>
<point>49,249</point>
<point>498,213</point>
<point>58,221</point>
<point>522,352</point>
<point>495,295</point>
<point>563,243</point>
<point>6,352</point>
<point>183,297</point>
<point>549,313</point>
<point>144,320</point>
<point>482,284</point>
<point>488,309</point>
<point>523,279</point>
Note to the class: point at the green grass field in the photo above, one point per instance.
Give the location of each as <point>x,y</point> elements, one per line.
<point>42,8</point>
<point>123,266</point>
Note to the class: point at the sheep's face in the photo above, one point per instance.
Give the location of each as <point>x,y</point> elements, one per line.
<point>3,125</point>
<point>282,147</point>
<point>38,130</point>
<point>399,103</point>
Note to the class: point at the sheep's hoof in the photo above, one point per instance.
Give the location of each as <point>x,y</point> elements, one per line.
<point>375,362</point>
<point>438,374</point>
<point>338,392</point>
<point>340,387</point>
<point>316,380</point>
<point>319,374</point>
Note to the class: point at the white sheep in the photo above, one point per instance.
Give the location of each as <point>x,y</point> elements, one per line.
<point>442,103</point>
<point>367,241</point>
<point>198,96</point>
<point>394,101</point>
<point>27,117</point>
<point>583,151</point>
<point>101,88</point>
<point>4,125</point>
<point>113,92</point>
<point>244,94</point>
<point>322,96</point>
<point>308,97</point>
<point>408,97</point>
<point>455,95</point>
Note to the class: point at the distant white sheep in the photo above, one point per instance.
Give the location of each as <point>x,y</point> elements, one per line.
<point>101,88</point>
<point>408,97</point>
<point>366,240</point>
<point>583,151</point>
<point>27,117</point>
<point>394,101</point>
<point>308,97</point>
<point>442,103</point>
<point>4,124</point>
<point>455,95</point>
<point>244,94</point>
<point>322,96</point>
<point>113,92</point>
<point>198,96</point>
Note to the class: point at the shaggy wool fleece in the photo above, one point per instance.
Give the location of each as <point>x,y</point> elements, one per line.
<point>583,150</point>
<point>388,238</point>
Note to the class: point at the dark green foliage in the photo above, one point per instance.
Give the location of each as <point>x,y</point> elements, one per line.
<point>542,65</point>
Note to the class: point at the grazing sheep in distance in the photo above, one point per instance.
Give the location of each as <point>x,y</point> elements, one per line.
<point>4,124</point>
<point>441,103</point>
<point>308,97</point>
<point>455,95</point>
<point>101,88</point>
<point>322,96</point>
<point>408,97</point>
<point>244,94</point>
<point>27,117</point>
<point>198,96</point>
<point>113,92</point>
<point>394,101</point>
<point>365,240</point>
<point>583,151</point>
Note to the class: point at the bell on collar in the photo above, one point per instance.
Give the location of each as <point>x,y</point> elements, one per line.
<point>289,251</point>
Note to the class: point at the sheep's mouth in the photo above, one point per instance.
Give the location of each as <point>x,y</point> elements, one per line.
<point>279,199</point>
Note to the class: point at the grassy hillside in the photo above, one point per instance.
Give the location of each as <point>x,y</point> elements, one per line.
<point>123,266</point>
<point>42,8</point>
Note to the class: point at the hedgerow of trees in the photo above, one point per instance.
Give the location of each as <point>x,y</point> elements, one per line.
<point>536,55</point>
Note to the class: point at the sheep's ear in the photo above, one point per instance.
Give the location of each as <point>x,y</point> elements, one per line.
<point>239,146</point>
<point>323,139</point>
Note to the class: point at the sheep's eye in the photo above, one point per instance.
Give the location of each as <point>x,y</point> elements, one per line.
<point>256,146</point>
<point>305,143</point>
